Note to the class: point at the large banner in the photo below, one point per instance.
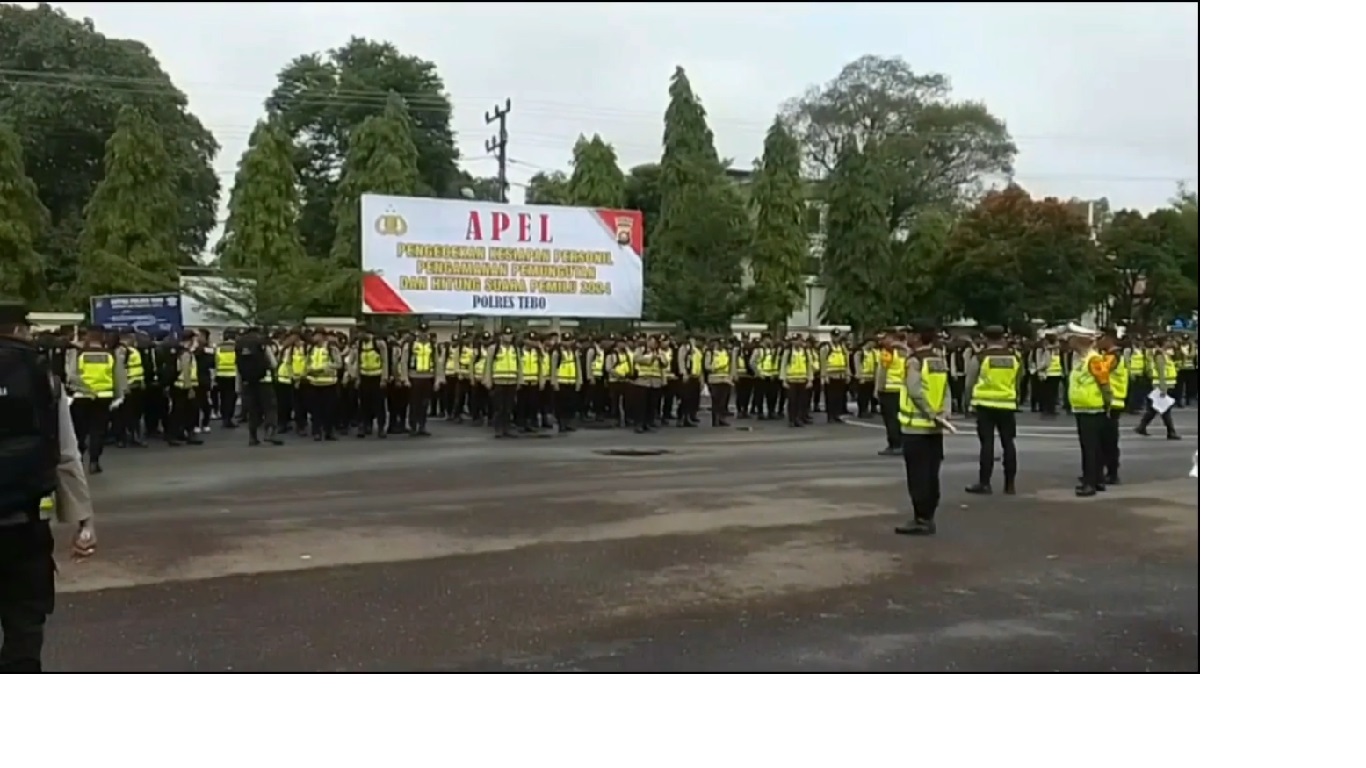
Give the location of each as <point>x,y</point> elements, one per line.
<point>150,312</point>
<point>459,257</point>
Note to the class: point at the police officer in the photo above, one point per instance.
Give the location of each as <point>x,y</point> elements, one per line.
<point>418,378</point>
<point>97,382</point>
<point>256,368</point>
<point>891,374</point>
<point>323,374</point>
<point>503,379</point>
<point>225,378</point>
<point>923,412</point>
<point>1091,398</point>
<point>992,389</point>
<point>371,370</point>
<point>40,478</point>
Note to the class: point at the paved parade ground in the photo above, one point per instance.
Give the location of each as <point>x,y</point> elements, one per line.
<point>766,549</point>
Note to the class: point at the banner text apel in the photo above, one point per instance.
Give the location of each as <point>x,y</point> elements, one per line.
<point>460,257</point>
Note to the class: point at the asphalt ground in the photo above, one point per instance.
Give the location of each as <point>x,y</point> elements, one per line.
<point>736,550</point>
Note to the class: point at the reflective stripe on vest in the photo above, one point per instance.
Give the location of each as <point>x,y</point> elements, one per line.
<point>97,372</point>
<point>895,366</point>
<point>225,361</point>
<point>321,358</point>
<point>1083,391</point>
<point>420,358</point>
<point>934,383</point>
<point>997,381</point>
<point>1119,382</point>
<point>371,362</point>
<point>568,372</point>
<point>505,364</point>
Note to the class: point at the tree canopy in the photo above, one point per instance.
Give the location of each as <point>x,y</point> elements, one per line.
<point>878,191</point>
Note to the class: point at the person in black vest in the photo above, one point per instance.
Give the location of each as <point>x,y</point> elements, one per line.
<point>41,477</point>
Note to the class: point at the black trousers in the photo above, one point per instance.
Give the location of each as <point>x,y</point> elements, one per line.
<point>867,398</point>
<point>1110,443</point>
<point>566,404</point>
<point>798,400</point>
<point>90,418</point>
<point>890,405</point>
<point>836,399</point>
<point>503,398</point>
<point>227,398</point>
<point>1091,436</point>
<point>744,395</point>
<point>1150,413</point>
<point>720,402</point>
<point>258,406</point>
<point>370,392</point>
<point>1049,391</point>
<point>128,419</point>
<point>322,409</point>
<point>1187,388</point>
<point>203,402</point>
<point>990,423</point>
<point>528,406</point>
<point>27,593</point>
<point>419,403</point>
<point>156,409</point>
<point>183,414</point>
<point>772,389</point>
<point>923,455</point>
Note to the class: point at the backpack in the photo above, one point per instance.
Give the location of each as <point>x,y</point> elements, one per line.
<point>251,359</point>
<point>29,445</point>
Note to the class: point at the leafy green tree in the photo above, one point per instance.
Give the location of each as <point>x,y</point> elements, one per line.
<point>858,256</point>
<point>935,150</point>
<point>261,249</point>
<point>915,261</point>
<point>695,263</point>
<point>322,99</point>
<point>23,221</point>
<point>1011,259</point>
<point>778,258</point>
<point>597,180</point>
<point>381,159</point>
<point>548,188</point>
<point>1147,286</point>
<point>62,88</point>
<point>128,243</point>
<point>642,194</point>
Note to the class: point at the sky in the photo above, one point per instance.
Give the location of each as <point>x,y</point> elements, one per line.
<point>1101,98</point>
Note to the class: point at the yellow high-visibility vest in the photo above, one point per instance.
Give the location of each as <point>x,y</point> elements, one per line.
<point>225,361</point>
<point>997,381</point>
<point>371,362</point>
<point>1083,391</point>
<point>568,372</point>
<point>320,358</point>
<point>97,371</point>
<point>504,365</point>
<point>934,382</point>
<point>133,364</point>
<point>797,367</point>
<point>420,358</point>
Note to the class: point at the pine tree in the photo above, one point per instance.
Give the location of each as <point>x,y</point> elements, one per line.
<point>129,242</point>
<point>597,180</point>
<point>781,246</point>
<point>857,249</point>
<point>23,219</point>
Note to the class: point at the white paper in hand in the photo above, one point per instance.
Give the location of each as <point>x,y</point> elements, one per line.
<point>1161,402</point>
<point>1195,465</point>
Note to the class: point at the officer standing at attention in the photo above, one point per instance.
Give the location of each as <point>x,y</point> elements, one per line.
<point>566,382</point>
<point>371,371</point>
<point>923,411</point>
<point>891,373</point>
<point>323,375</point>
<point>256,369</point>
<point>1089,394</point>
<point>718,366</point>
<point>40,478</point>
<point>1049,366</point>
<point>97,383</point>
<point>1119,390</point>
<point>835,376</point>
<point>503,379</point>
<point>992,386</point>
<point>797,376</point>
<point>128,418</point>
<point>417,376</point>
<point>225,378</point>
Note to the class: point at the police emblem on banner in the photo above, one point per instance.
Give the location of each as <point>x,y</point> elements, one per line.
<point>626,227</point>
<point>391,224</point>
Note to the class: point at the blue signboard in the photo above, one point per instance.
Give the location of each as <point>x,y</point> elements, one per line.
<point>150,312</point>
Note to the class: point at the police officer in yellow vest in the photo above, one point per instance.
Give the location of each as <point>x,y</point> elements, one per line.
<point>566,382</point>
<point>1163,361</point>
<point>225,377</point>
<point>797,374</point>
<point>890,375</point>
<point>502,378</point>
<point>865,378</point>
<point>97,381</point>
<point>766,360</point>
<point>1091,398</point>
<point>718,367</point>
<point>128,419</point>
<point>185,382</point>
<point>323,374</point>
<point>993,390</point>
<point>1119,390</point>
<point>1049,364</point>
<point>923,408</point>
<point>370,365</point>
<point>1140,382</point>
<point>835,379</point>
<point>418,375</point>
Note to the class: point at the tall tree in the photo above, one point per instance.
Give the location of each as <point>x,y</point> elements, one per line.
<point>23,221</point>
<point>548,188</point>
<point>1011,259</point>
<point>642,194</point>
<point>778,258</point>
<point>597,180</point>
<point>323,98</point>
<point>261,249</point>
<point>381,159</point>
<point>934,149</point>
<point>857,257</point>
<point>1147,286</point>
<point>128,243</point>
<point>62,86</point>
<point>695,264</point>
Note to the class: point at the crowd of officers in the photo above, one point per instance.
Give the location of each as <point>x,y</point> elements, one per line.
<point>128,387</point>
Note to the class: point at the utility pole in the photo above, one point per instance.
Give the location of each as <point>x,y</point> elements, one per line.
<point>498,144</point>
